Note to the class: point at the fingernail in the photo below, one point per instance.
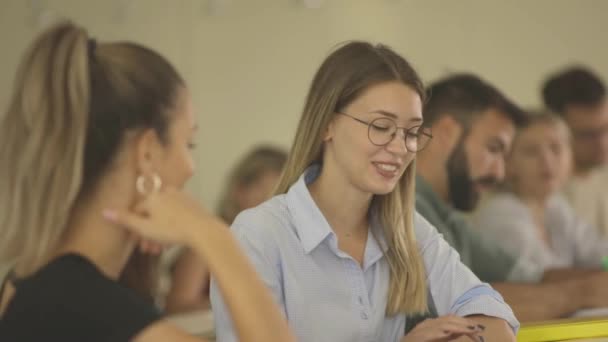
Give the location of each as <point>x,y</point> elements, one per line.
<point>109,214</point>
<point>481,326</point>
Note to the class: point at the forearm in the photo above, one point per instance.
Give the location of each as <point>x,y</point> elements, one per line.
<point>534,302</point>
<point>189,284</point>
<point>177,304</point>
<point>254,313</point>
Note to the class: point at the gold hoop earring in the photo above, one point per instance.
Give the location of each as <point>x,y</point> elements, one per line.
<point>142,181</point>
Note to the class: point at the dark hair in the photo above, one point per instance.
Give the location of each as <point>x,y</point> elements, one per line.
<point>573,86</point>
<point>465,97</point>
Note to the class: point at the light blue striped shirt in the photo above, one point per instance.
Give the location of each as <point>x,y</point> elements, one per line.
<point>324,293</point>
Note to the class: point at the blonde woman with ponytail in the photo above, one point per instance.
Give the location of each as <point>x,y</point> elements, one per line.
<point>340,245</point>
<point>94,148</point>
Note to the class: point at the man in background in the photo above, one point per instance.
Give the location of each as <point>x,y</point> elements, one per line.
<point>473,126</point>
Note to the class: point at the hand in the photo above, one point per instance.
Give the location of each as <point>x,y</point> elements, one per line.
<point>151,247</point>
<point>165,217</point>
<point>445,328</point>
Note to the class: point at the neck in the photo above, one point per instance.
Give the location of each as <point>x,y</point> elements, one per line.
<point>536,202</point>
<point>106,245</point>
<point>344,207</point>
<point>437,177</point>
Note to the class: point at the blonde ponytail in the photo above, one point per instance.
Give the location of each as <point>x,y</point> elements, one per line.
<point>42,138</point>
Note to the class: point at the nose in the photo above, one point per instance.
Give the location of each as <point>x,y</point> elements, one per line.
<point>397,144</point>
<point>497,168</point>
<point>546,159</point>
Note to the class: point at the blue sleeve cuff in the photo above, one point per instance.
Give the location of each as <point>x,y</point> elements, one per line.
<point>484,300</point>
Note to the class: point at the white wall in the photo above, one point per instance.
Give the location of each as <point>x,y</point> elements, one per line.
<point>249,64</point>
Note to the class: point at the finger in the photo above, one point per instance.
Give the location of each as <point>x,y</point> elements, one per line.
<point>463,322</point>
<point>143,246</point>
<point>440,329</point>
<point>133,222</point>
<point>150,247</point>
<point>455,328</point>
<point>155,248</point>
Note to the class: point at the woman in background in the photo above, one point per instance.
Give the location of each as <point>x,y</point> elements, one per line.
<point>94,148</point>
<point>250,183</point>
<point>528,215</point>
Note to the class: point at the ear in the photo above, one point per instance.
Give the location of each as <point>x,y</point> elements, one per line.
<point>330,130</point>
<point>448,131</point>
<point>148,151</point>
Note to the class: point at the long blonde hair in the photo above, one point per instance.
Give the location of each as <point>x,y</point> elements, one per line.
<point>73,102</point>
<point>342,77</point>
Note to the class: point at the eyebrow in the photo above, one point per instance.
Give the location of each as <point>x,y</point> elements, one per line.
<point>394,116</point>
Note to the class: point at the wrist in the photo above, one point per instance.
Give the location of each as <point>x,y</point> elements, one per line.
<point>209,237</point>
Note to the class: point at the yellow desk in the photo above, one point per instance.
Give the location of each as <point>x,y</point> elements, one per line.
<point>577,329</point>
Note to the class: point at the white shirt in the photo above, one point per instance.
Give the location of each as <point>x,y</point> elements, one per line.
<point>573,243</point>
<point>589,197</point>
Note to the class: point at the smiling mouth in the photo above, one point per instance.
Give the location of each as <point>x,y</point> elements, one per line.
<point>386,169</point>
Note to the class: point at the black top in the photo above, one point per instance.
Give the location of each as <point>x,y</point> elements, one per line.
<point>71,300</point>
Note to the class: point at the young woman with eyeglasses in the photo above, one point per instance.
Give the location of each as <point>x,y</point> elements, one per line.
<point>340,245</point>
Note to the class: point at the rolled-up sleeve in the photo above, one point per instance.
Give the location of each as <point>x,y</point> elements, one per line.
<point>455,289</point>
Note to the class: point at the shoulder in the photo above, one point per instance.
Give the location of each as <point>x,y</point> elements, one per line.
<point>267,228</point>
<point>502,202</point>
<point>426,213</point>
<point>64,275</point>
<point>426,233</point>
<point>71,292</point>
<point>422,227</point>
<point>270,218</point>
<point>76,281</point>
<point>499,208</point>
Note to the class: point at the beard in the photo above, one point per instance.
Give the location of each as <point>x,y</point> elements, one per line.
<point>461,186</point>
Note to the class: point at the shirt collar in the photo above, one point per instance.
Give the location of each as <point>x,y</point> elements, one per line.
<point>310,224</point>
<point>312,227</point>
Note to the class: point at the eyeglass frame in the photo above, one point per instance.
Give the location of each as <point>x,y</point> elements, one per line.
<point>404,129</point>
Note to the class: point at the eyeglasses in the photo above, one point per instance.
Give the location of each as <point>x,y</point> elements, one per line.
<point>382,131</point>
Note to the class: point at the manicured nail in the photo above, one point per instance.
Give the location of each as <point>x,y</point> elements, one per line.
<point>481,327</point>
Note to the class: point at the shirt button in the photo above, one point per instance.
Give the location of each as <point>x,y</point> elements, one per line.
<point>363,315</point>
